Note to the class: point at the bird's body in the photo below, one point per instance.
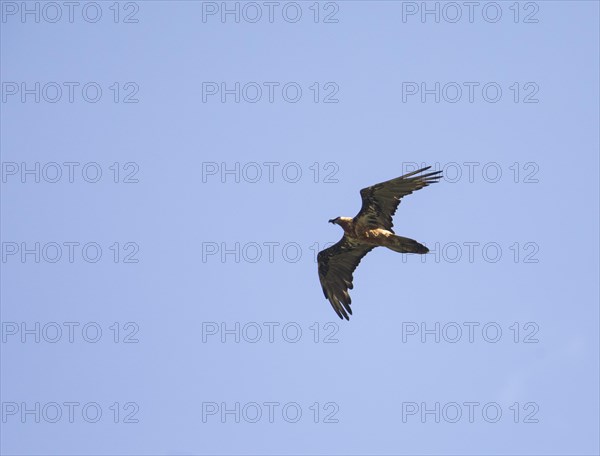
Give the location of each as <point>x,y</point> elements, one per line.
<point>376,237</point>
<point>370,228</point>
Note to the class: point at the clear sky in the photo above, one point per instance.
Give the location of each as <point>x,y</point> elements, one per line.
<point>168,170</point>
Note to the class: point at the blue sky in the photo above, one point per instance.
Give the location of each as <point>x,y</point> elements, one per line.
<point>159,285</point>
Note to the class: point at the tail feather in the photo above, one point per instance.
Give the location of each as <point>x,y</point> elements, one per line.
<point>405,245</point>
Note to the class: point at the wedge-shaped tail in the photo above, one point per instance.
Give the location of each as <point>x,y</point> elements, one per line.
<point>405,245</point>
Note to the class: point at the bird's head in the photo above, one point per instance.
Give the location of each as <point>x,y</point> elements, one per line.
<point>344,222</point>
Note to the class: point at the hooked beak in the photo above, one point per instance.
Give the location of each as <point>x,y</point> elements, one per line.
<point>332,221</point>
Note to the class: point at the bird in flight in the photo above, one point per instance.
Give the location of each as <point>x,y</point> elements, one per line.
<point>370,228</point>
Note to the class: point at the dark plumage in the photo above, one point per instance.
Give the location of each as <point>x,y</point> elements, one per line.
<point>370,228</point>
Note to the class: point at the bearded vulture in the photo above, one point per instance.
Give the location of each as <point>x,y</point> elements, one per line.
<point>372,227</point>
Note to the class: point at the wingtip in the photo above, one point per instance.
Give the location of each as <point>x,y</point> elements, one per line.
<point>419,176</point>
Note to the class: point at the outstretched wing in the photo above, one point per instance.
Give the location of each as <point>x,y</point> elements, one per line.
<point>336,265</point>
<point>380,201</point>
